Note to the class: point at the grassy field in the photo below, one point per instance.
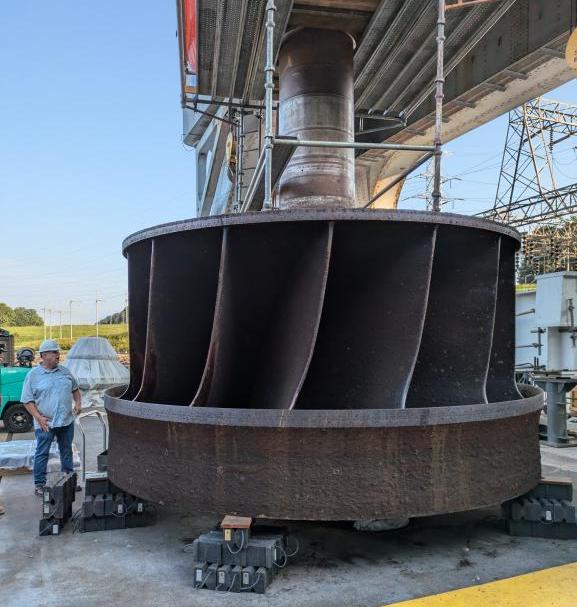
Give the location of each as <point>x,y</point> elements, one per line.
<point>33,336</point>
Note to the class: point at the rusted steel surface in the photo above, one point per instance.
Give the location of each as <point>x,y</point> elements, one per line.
<point>501,375</point>
<point>139,259</point>
<point>316,103</point>
<point>266,316</point>
<point>174,295</point>
<point>300,215</point>
<point>455,348</point>
<point>324,365</point>
<point>364,352</point>
<point>325,465</point>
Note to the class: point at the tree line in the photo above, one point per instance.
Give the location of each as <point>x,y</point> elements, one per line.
<point>18,317</point>
<point>117,318</point>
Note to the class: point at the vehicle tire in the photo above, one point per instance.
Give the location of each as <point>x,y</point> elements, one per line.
<point>16,419</point>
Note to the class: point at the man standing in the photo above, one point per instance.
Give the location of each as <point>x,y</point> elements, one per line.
<point>47,395</point>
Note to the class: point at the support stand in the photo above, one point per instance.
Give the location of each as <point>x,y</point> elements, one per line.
<point>556,389</point>
<point>547,511</point>
<point>59,493</point>
<point>238,558</point>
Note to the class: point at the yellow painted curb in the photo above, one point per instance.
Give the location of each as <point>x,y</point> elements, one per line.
<point>555,587</point>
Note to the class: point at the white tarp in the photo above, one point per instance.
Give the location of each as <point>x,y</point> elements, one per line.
<point>94,363</point>
<point>19,454</point>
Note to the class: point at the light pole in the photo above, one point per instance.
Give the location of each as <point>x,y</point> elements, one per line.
<point>97,300</point>
<point>50,323</point>
<point>60,312</point>
<point>44,321</point>
<point>70,302</point>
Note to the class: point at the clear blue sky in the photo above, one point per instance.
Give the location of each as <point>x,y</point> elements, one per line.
<point>475,161</point>
<point>90,147</point>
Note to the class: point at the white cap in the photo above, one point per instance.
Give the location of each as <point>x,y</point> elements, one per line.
<point>49,345</point>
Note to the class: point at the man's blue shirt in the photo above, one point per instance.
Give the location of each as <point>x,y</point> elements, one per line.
<point>51,390</point>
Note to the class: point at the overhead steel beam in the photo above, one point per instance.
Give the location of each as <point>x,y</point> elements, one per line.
<point>456,59</point>
<point>374,32</point>
<point>456,32</point>
<point>239,38</point>
<point>390,46</point>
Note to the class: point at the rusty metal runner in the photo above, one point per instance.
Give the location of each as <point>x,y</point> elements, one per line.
<point>342,364</point>
<point>325,465</point>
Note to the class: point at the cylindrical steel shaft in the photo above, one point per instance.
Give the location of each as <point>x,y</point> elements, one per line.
<point>316,102</point>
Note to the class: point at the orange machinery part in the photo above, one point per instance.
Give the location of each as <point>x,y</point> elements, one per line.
<point>190,34</point>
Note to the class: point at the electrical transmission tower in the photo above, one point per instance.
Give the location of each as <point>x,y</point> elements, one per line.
<point>529,192</point>
<point>427,195</point>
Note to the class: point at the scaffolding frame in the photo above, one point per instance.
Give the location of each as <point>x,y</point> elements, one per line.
<point>264,169</point>
<point>271,140</point>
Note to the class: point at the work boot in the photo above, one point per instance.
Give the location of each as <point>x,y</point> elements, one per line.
<point>39,490</point>
<point>2,509</point>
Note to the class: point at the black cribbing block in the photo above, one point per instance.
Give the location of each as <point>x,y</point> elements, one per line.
<point>49,526</point>
<point>102,461</point>
<point>62,509</point>
<point>58,485</point>
<point>552,488</point>
<point>208,548</point>
<point>99,505</point>
<point>263,578</point>
<point>223,578</point>
<point>140,520</point>
<point>101,523</point>
<point>92,523</point>
<point>233,557</point>
<point>258,552</point>
<point>533,509</point>
<point>88,506</point>
<point>247,578</point>
<point>210,577</point>
<point>537,510</point>
<point>108,505</point>
<point>98,483</point>
<point>120,505</point>
<point>114,522</point>
<point>570,514</point>
<point>236,578</point>
<point>263,552</point>
<point>199,572</point>
<point>558,531</point>
<point>58,495</point>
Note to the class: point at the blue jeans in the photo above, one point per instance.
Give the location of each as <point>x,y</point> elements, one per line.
<point>64,436</point>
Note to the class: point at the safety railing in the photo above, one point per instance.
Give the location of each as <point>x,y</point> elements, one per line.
<point>100,417</point>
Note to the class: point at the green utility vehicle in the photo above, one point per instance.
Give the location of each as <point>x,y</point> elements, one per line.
<point>12,412</point>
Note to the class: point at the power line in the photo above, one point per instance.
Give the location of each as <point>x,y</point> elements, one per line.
<point>528,191</point>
